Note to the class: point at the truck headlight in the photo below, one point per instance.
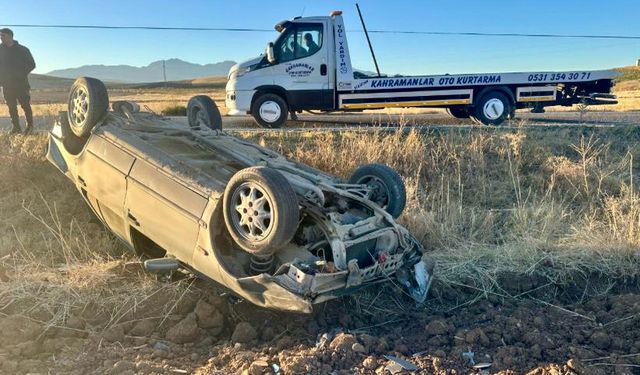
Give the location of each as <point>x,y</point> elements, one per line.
<point>242,71</point>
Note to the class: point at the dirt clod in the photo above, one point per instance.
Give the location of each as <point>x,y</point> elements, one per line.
<point>209,317</point>
<point>143,328</point>
<point>343,342</point>
<point>186,330</point>
<point>358,348</point>
<point>114,333</point>
<point>438,327</point>
<point>244,333</point>
<point>259,367</point>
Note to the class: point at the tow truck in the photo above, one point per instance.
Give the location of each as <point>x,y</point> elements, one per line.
<point>308,68</point>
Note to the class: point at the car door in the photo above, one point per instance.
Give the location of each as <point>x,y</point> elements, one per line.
<point>102,169</point>
<point>162,208</point>
<point>301,68</point>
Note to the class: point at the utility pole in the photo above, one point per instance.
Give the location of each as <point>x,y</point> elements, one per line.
<point>164,72</point>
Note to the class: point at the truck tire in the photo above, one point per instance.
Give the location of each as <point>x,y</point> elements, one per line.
<point>203,112</point>
<point>388,188</point>
<point>260,210</point>
<point>458,112</point>
<point>270,110</point>
<point>493,108</point>
<point>87,105</point>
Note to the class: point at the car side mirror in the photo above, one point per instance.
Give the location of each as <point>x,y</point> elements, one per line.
<point>270,55</point>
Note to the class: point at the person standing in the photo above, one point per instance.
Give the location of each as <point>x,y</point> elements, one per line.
<point>16,63</point>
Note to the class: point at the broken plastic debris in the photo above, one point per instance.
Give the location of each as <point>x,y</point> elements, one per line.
<point>275,368</point>
<point>469,357</point>
<point>484,368</point>
<point>405,365</point>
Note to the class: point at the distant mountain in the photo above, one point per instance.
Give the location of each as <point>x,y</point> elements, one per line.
<point>176,69</point>
<point>40,81</point>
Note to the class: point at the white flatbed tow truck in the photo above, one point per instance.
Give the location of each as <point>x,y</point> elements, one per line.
<point>308,67</point>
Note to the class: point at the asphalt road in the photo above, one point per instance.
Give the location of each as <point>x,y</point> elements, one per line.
<point>364,121</point>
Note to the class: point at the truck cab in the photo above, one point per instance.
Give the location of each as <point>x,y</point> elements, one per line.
<point>294,70</point>
<point>308,67</point>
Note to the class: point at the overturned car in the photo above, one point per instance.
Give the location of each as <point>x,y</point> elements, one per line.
<point>277,233</point>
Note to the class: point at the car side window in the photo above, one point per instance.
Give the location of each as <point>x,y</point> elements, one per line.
<point>299,41</point>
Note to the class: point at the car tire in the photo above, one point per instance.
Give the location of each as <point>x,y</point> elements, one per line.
<point>87,105</point>
<point>71,142</point>
<point>458,112</point>
<point>389,191</point>
<point>203,111</point>
<point>270,110</point>
<point>260,210</point>
<point>493,108</point>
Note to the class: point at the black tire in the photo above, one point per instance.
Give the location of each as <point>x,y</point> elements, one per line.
<point>389,189</point>
<point>87,105</point>
<point>458,112</point>
<point>270,110</point>
<point>262,235</point>
<point>121,106</point>
<point>493,108</point>
<point>203,111</point>
<point>71,142</point>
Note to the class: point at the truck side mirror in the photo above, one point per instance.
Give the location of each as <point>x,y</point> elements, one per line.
<point>270,55</point>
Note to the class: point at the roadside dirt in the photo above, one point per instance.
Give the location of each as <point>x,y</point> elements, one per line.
<point>212,334</point>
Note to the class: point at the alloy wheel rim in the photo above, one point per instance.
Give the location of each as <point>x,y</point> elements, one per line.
<point>79,106</point>
<point>252,212</point>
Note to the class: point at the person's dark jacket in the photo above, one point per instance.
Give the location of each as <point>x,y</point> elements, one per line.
<point>16,63</point>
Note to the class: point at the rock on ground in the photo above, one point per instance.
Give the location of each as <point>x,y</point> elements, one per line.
<point>186,330</point>
<point>244,333</point>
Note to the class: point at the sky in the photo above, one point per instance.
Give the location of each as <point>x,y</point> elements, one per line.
<point>396,53</point>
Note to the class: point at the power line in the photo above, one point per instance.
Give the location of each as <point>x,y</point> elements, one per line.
<point>414,32</point>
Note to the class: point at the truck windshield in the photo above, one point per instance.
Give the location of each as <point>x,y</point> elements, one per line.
<point>298,41</point>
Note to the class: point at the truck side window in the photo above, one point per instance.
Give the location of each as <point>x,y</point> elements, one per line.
<point>298,41</point>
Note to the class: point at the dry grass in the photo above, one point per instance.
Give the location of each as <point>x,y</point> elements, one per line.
<point>488,203</point>
<point>547,204</point>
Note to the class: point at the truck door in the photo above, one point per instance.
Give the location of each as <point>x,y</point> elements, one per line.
<point>302,65</point>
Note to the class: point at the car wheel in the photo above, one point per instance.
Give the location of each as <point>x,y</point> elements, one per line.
<point>492,109</point>
<point>270,111</point>
<point>260,210</point>
<point>203,112</point>
<point>71,142</point>
<point>387,188</point>
<point>458,112</point>
<point>88,104</point>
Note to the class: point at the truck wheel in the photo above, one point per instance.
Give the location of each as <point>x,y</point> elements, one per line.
<point>88,104</point>
<point>387,188</point>
<point>492,109</point>
<point>203,112</point>
<point>458,112</point>
<point>260,210</point>
<point>270,110</point>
